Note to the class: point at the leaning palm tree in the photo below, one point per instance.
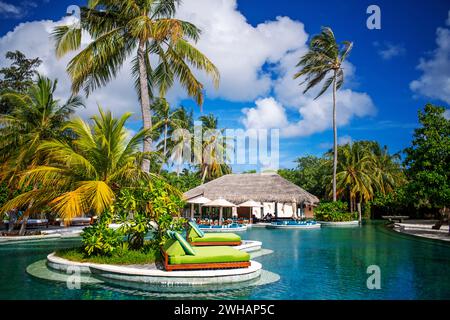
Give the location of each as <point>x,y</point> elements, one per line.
<point>324,59</point>
<point>81,176</point>
<point>36,117</point>
<point>146,30</point>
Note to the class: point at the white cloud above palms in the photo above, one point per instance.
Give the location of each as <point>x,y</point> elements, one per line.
<point>256,65</point>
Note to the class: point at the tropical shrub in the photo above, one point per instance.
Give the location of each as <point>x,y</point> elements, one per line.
<point>333,211</point>
<point>153,207</point>
<point>100,239</point>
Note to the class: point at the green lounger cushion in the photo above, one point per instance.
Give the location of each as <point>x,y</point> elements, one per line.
<point>197,230</point>
<point>216,254</point>
<point>173,248</point>
<point>218,237</point>
<point>186,246</point>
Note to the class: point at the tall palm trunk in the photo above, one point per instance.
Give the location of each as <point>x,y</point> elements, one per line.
<point>204,174</point>
<point>145,103</point>
<point>335,137</point>
<point>165,139</point>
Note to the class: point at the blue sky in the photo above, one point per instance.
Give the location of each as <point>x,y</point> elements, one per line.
<point>384,90</point>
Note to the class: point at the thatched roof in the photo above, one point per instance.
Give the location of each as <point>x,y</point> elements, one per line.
<point>262,187</point>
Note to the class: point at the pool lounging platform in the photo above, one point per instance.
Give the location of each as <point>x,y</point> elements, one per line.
<point>153,274</point>
<point>150,274</point>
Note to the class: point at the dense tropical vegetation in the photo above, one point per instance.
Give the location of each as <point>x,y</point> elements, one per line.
<point>368,175</point>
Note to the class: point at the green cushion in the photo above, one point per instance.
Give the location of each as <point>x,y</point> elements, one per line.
<point>212,255</point>
<point>197,230</point>
<point>218,237</point>
<point>173,248</point>
<point>192,235</point>
<point>186,246</point>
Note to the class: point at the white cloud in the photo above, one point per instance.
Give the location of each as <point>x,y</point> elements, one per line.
<point>314,115</point>
<point>389,50</point>
<point>447,114</point>
<point>239,49</point>
<point>8,10</point>
<point>255,62</point>
<point>267,114</point>
<point>34,40</point>
<point>435,79</point>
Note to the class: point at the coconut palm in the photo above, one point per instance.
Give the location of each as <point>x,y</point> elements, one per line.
<point>181,142</point>
<point>387,169</point>
<point>165,119</point>
<point>355,173</point>
<point>81,176</point>
<point>324,60</point>
<point>213,153</point>
<point>37,117</point>
<point>146,30</point>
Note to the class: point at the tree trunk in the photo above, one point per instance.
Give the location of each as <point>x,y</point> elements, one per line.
<point>145,103</point>
<point>204,175</point>
<point>440,222</point>
<point>335,138</point>
<point>23,226</point>
<point>358,205</point>
<point>165,139</point>
<point>12,219</point>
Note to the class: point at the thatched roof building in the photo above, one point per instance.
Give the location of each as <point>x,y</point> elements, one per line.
<point>262,187</point>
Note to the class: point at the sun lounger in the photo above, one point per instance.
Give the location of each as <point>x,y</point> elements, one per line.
<point>220,257</point>
<point>196,237</point>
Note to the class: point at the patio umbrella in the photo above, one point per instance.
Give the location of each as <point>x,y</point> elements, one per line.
<point>220,203</point>
<point>197,200</point>
<point>251,204</point>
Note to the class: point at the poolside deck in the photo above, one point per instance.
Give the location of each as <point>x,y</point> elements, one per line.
<point>423,228</point>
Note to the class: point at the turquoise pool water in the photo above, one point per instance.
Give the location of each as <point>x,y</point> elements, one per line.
<point>328,263</point>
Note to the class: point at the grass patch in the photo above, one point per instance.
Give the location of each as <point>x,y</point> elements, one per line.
<point>122,258</point>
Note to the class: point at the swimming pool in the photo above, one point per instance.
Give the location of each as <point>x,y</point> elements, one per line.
<point>327,263</point>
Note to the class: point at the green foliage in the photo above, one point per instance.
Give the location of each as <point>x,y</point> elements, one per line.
<point>99,239</point>
<point>187,180</point>
<point>18,77</point>
<point>153,207</point>
<point>121,256</point>
<point>309,174</point>
<point>428,160</point>
<point>336,211</point>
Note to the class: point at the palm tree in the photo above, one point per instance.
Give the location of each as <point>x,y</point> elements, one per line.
<point>145,29</point>
<point>165,120</point>
<point>213,153</point>
<point>181,143</point>
<point>388,170</point>
<point>325,57</point>
<point>81,176</point>
<point>355,174</point>
<point>37,117</point>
